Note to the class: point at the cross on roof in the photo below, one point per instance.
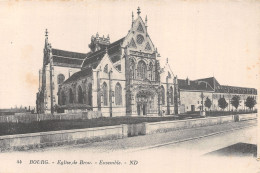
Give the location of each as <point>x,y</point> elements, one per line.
<point>46,33</point>
<point>138,11</point>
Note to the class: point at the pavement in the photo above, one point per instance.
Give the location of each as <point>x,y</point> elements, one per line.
<point>224,148</point>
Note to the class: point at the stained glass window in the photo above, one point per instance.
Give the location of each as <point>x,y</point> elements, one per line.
<point>70,96</point>
<point>141,69</point>
<point>140,39</point>
<point>162,95</point>
<point>147,47</point>
<point>105,94</point>
<point>118,94</point>
<point>132,43</point>
<point>140,28</point>
<point>80,95</point>
<point>90,94</point>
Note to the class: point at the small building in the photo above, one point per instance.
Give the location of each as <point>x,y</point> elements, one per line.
<point>193,94</point>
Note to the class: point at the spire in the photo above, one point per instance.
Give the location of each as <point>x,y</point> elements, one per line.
<point>167,60</point>
<point>146,24</point>
<point>132,18</point>
<point>46,33</point>
<point>46,38</point>
<point>138,11</point>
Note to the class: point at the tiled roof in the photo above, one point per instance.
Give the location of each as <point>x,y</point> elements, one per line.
<point>194,85</point>
<point>68,54</point>
<point>93,59</point>
<point>211,84</point>
<point>67,58</point>
<point>235,90</point>
<point>68,61</point>
<point>78,75</point>
<point>211,81</point>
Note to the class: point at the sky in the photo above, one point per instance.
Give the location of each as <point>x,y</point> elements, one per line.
<point>200,38</point>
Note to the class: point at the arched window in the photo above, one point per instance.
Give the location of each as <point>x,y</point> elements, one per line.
<point>132,69</point>
<point>63,98</point>
<point>141,69</point>
<point>90,94</point>
<point>70,96</point>
<point>162,95</point>
<point>80,95</point>
<point>151,71</point>
<point>60,78</point>
<point>118,94</point>
<point>171,95</point>
<point>105,93</point>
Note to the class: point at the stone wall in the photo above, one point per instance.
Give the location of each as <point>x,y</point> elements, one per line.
<point>54,138</point>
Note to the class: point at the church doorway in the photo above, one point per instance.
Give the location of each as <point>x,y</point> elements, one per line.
<point>145,103</point>
<point>141,109</point>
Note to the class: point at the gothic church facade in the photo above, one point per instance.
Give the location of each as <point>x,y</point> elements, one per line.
<point>120,78</point>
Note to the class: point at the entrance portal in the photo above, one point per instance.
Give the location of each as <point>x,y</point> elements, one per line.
<point>145,102</point>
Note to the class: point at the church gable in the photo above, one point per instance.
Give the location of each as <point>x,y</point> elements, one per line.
<point>138,38</point>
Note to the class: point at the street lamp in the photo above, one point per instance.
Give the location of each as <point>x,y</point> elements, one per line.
<point>202,113</point>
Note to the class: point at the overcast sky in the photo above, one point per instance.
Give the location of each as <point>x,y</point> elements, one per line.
<point>201,39</point>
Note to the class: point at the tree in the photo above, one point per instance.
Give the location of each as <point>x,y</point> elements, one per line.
<point>250,102</point>
<point>235,101</point>
<point>208,103</point>
<point>222,103</point>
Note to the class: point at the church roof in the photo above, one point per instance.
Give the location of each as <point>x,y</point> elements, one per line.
<point>211,84</point>
<point>78,75</point>
<point>194,85</point>
<point>67,58</point>
<point>94,58</point>
<point>211,81</point>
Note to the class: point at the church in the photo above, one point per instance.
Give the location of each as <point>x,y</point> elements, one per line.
<point>124,78</point>
<point>117,79</point>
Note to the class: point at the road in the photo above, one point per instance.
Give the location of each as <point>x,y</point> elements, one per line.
<point>202,149</point>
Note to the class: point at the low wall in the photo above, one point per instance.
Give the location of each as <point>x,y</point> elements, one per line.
<point>35,140</point>
<point>53,138</point>
<point>165,126</point>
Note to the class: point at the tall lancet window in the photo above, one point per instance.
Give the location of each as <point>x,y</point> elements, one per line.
<point>141,70</point>
<point>80,95</point>
<point>105,94</point>
<point>162,95</point>
<point>171,95</point>
<point>118,94</point>
<point>90,94</point>
<point>71,96</point>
